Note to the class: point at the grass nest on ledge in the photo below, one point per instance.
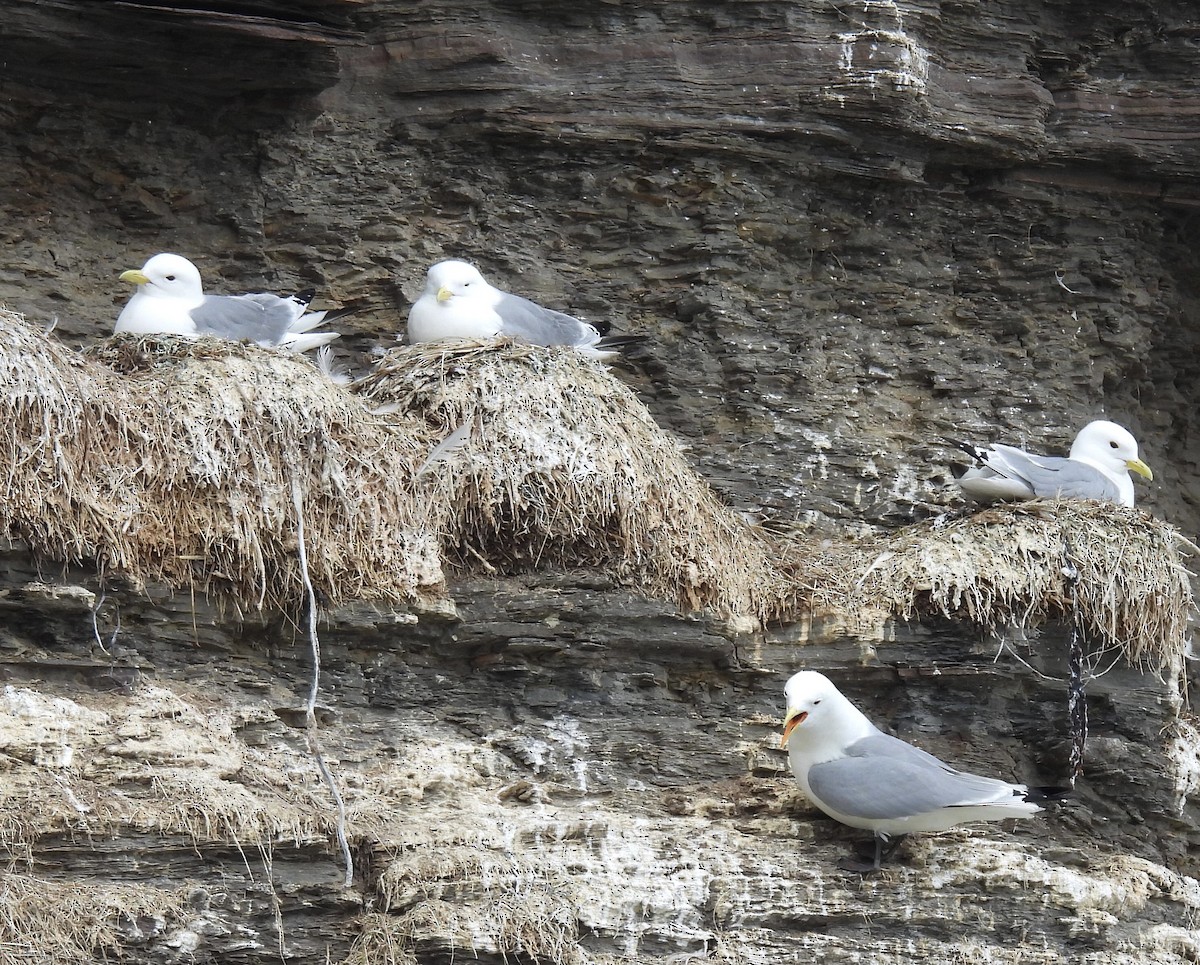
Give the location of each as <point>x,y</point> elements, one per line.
<point>1115,572</point>
<point>550,461</point>
<point>194,463</point>
<point>198,464</point>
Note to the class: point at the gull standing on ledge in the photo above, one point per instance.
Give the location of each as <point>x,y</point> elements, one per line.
<point>170,300</point>
<point>458,303</point>
<point>867,779</point>
<point>1102,456</point>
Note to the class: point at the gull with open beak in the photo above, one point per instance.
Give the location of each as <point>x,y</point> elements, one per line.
<point>865,778</point>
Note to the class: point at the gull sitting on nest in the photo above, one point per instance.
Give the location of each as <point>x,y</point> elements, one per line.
<point>458,303</point>
<point>170,300</point>
<point>1098,467</point>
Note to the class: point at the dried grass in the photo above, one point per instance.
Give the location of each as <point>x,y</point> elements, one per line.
<point>262,807</point>
<point>161,460</point>
<point>469,901</point>
<point>77,921</point>
<point>255,811</point>
<point>562,466</point>
<point>380,942</point>
<point>158,764</point>
<point>1009,566</point>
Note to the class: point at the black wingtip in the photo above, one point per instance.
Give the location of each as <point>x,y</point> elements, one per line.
<point>1048,793</point>
<point>620,341</point>
<point>971,450</point>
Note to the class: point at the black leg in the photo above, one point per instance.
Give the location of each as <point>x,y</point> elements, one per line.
<point>883,853</point>
<point>884,848</point>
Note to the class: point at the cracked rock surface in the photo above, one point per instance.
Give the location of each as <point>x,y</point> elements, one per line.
<point>851,233</point>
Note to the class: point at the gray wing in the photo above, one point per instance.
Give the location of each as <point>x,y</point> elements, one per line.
<point>1050,476</point>
<point>523,319</point>
<point>883,777</point>
<point>985,485</point>
<point>262,317</point>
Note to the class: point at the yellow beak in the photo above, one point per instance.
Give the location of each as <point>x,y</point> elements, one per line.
<point>1136,465</point>
<point>134,277</point>
<point>790,723</point>
<point>444,294</point>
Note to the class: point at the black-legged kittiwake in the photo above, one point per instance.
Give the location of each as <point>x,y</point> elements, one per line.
<point>170,300</point>
<point>458,303</point>
<point>867,779</point>
<point>1098,467</point>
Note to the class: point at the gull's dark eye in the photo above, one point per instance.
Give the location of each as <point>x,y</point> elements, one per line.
<point>1114,444</point>
<point>172,278</point>
<point>815,702</point>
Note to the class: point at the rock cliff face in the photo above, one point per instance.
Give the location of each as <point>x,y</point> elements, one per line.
<point>851,232</point>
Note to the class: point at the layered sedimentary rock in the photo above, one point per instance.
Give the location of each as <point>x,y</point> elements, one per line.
<point>851,233</point>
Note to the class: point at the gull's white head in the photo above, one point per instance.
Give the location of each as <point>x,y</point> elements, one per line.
<point>457,304</point>
<point>167,276</point>
<point>818,712</point>
<point>448,280</point>
<point>1111,449</point>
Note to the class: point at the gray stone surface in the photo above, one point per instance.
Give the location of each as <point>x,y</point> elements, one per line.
<point>563,772</point>
<point>851,231</point>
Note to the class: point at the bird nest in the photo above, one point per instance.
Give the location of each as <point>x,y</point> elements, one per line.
<point>241,472</point>
<point>547,460</point>
<point>202,465</point>
<point>1116,573</point>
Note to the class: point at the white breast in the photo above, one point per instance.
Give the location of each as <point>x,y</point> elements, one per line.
<point>431,320</point>
<point>144,315</point>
